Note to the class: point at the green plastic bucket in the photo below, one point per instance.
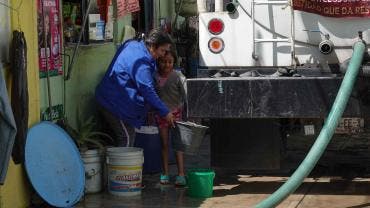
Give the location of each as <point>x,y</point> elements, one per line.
<point>200,183</point>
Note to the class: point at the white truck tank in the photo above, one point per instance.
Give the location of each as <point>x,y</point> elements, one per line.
<point>270,33</point>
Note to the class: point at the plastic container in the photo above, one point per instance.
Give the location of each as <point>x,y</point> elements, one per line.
<point>100,27</point>
<point>148,139</point>
<point>93,170</point>
<point>200,183</point>
<point>54,165</point>
<point>191,135</point>
<point>125,166</point>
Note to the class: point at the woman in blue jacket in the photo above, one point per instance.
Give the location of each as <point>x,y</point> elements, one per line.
<point>127,90</point>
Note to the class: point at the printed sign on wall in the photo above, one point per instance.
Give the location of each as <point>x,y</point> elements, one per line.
<point>334,8</point>
<point>127,6</point>
<point>49,37</point>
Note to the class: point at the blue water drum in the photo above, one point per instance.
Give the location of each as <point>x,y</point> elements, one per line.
<point>147,138</point>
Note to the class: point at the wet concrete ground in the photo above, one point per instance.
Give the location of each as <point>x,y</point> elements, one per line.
<point>236,189</point>
<point>243,191</point>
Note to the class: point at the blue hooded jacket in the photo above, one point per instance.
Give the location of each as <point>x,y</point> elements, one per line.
<point>127,89</point>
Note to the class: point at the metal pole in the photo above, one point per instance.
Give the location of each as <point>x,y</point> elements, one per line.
<point>69,72</point>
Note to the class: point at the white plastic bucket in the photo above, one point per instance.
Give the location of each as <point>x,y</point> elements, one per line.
<point>125,165</point>
<point>93,170</point>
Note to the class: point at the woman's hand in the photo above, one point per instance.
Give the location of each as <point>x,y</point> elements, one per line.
<point>170,119</point>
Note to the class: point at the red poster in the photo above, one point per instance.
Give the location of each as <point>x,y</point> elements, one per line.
<point>127,6</point>
<point>49,36</point>
<point>334,8</point>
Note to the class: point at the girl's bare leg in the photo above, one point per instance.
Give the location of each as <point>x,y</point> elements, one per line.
<point>163,133</point>
<point>180,163</point>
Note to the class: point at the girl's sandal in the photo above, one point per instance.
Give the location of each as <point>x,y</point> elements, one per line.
<point>180,181</point>
<point>164,179</point>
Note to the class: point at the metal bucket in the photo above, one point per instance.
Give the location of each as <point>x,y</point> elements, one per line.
<point>191,135</point>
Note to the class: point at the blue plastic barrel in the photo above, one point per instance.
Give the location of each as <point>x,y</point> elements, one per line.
<point>147,138</point>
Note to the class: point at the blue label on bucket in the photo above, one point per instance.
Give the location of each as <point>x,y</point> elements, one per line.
<point>122,187</point>
<point>124,177</point>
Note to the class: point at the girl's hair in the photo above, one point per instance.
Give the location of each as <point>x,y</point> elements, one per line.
<point>158,37</point>
<point>173,53</point>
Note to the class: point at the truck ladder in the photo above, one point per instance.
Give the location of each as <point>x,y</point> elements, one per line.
<point>290,39</point>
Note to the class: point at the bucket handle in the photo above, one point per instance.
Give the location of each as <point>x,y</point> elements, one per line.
<point>89,175</point>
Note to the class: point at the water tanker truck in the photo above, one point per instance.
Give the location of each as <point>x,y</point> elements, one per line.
<point>268,74</point>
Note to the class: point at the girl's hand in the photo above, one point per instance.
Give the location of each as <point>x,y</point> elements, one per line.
<point>170,119</point>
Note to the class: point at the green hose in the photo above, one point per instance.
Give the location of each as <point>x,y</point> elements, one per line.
<point>325,135</point>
